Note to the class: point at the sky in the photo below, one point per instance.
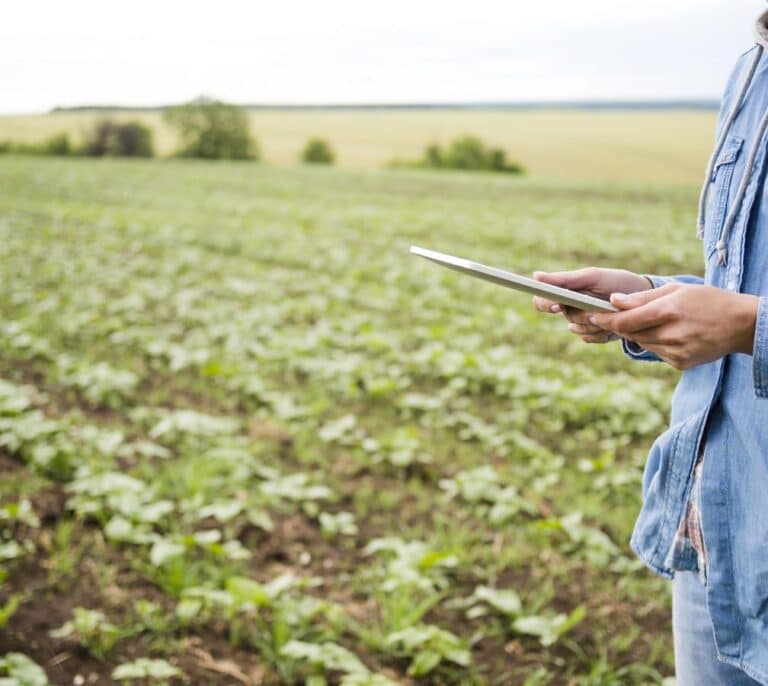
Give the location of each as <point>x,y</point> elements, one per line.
<point>393,51</point>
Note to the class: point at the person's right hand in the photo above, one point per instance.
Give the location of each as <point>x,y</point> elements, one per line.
<point>595,281</point>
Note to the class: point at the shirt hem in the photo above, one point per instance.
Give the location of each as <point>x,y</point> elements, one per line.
<point>663,572</point>
<point>760,350</point>
<point>761,677</point>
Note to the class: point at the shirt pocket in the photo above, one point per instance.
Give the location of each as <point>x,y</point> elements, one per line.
<point>719,191</point>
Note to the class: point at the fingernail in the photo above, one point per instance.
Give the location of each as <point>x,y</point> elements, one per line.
<point>592,320</point>
<point>619,296</point>
<point>555,309</point>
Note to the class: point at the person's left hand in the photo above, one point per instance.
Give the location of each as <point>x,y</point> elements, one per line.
<point>685,325</point>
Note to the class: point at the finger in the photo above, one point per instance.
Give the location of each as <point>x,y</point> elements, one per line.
<point>576,316</point>
<point>586,330</point>
<point>626,301</point>
<point>544,305</point>
<point>628,322</point>
<point>653,339</point>
<point>604,337</point>
<point>577,280</point>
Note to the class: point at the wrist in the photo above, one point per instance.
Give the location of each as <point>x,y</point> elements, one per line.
<point>745,313</point>
<point>641,283</point>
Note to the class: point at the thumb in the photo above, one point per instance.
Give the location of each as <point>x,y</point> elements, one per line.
<point>627,302</point>
<point>577,280</point>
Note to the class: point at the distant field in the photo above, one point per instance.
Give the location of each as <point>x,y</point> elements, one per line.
<point>655,146</point>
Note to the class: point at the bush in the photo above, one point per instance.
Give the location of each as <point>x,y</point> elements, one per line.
<point>497,159</point>
<point>128,139</point>
<point>55,145</point>
<point>469,153</point>
<point>317,151</point>
<point>433,156</point>
<point>133,139</point>
<point>213,130</point>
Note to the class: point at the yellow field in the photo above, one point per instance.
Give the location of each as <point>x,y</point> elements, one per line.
<point>662,146</point>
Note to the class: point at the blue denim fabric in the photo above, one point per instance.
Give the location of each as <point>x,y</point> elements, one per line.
<point>728,398</point>
<point>696,662</point>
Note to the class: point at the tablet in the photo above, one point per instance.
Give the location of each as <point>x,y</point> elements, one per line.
<point>564,296</point>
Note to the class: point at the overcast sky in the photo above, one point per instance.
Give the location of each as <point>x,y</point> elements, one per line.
<point>291,51</point>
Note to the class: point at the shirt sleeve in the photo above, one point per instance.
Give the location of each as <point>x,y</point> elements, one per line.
<point>636,352</point>
<point>760,350</point>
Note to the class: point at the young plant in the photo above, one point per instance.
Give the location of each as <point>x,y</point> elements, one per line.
<point>507,602</point>
<point>331,657</point>
<point>341,523</point>
<point>411,563</point>
<point>143,670</point>
<point>18,670</point>
<point>92,630</point>
<point>549,628</point>
<point>427,646</point>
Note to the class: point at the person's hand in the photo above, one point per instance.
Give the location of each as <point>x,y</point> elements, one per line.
<point>684,325</point>
<point>598,282</point>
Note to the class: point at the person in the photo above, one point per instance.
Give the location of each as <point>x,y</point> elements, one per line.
<point>704,518</point>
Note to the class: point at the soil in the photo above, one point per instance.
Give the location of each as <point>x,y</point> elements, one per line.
<point>205,654</point>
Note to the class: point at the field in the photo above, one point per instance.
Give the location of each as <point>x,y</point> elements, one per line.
<point>628,146</point>
<point>244,435</point>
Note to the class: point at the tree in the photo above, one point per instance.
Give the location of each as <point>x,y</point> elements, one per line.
<point>213,129</point>
<point>126,139</point>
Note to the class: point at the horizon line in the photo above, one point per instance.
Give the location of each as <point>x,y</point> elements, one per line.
<point>591,104</point>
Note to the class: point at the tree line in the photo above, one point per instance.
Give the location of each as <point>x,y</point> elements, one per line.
<point>207,129</point>
<point>212,129</point>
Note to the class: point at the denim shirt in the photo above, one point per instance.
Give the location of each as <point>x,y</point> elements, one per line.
<point>723,405</point>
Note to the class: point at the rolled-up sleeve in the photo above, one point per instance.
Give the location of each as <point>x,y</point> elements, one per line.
<point>636,352</point>
<point>760,350</point>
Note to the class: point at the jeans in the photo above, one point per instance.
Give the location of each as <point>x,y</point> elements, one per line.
<point>696,662</point>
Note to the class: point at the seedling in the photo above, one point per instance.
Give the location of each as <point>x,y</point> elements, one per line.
<point>92,630</point>
<point>18,670</point>
<point>143,670</point>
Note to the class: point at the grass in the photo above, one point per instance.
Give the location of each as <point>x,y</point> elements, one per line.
<point>345,465</point>
<point>624,146</point>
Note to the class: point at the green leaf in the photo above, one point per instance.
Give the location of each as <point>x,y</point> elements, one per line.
<point>360,679</point>
<point>549,629</point>
<point>424,662</point>
<point>143,668</point>
<point>188,608</point>
<point>10,550</point>
<point>505,601</point>
<point>8,609</point>
<point>163,550</point>
<point>246,590</point>
<point>329,656</point>
<point>21,671</point>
